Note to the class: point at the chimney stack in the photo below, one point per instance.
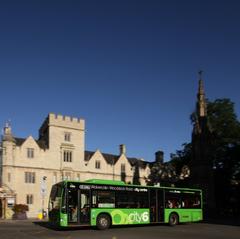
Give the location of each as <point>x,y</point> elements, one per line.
<point>159,156</point>
<point>122,149</point>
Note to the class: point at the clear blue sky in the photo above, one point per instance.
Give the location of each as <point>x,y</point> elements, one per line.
<point>129,68</point>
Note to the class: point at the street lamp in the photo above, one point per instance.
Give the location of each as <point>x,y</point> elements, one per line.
<point>43,193</point>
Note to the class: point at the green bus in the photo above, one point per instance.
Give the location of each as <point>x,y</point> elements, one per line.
<point>103,203</point>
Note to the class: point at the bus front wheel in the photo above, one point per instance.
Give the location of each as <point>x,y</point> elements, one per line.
<point>103,222</point>
<point>173,219</point>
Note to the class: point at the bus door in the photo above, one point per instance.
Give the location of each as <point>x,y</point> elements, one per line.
<point>84,202</point>
<point>153,205</point>
<point>160,199</point>
<point>72,204</point>
<point>156,205</point>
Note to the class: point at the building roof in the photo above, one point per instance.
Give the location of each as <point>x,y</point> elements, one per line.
<point>19,141</point>
<point>141,163</point>
<point>41,143</point>
<point>112,159</point>
<point>88,155</point>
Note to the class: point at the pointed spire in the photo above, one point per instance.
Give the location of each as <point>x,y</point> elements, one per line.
<point>201,103</point>
<point>196,128</point>
<point>200,84</point>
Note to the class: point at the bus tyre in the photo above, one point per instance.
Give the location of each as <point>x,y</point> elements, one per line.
<point>103,222</point>
<point>173,219</point>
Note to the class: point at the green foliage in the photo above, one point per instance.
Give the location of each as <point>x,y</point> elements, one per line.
<point>225,129</point>
<point>182,157</point>
<point>225,152</point>
<point>223,121</point>
<point>163,173</point>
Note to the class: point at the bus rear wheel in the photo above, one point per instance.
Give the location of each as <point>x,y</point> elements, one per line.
<point>173,219</point>
<point>103,222</point>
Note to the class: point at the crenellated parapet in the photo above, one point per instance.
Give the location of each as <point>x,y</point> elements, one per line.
<point>59,120</point>
<point>66,121</point>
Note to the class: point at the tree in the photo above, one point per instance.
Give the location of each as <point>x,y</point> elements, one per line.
<point>225,155</point>
<point>163,174</point>
<point>182,157</point>
<point>226,130</point>
<point>223,121</point>
<point>225,150</point>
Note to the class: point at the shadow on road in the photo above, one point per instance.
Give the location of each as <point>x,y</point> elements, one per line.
<point>46,225</point>
<point>223,221</point>
<point>74,228</point>
<point>55,228</point>
<point>217,221</point>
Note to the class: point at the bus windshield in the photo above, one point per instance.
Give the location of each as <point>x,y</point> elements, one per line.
<point>55,197</point>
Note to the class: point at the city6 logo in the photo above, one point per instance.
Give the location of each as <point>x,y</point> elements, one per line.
<point>138,217</point>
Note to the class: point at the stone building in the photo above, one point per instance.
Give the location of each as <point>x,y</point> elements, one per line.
<point>29,167</point>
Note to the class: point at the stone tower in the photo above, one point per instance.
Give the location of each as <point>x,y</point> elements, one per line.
<point>64,137</point>
<point>8,146</point>
<point>201,163</point>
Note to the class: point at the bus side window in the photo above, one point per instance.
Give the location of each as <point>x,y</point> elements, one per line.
<point>196,202</point>
<point>173,199</point>
<point>94,199</point>
<point>191,200</point>
<point>169,204</point>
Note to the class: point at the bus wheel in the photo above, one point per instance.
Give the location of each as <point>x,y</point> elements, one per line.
<point>173,219</point>
<point>103,222</point>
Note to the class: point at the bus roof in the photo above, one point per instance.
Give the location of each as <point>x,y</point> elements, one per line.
<point>105,181</point>
<point>121,183</point>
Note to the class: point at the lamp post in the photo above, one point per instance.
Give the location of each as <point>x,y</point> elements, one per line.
<point>43,193</point>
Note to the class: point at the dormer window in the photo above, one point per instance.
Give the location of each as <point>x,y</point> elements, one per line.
<point>123,168</point>
<point>98,164</point>
<point>30,152</point>
<point>67,136</point>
